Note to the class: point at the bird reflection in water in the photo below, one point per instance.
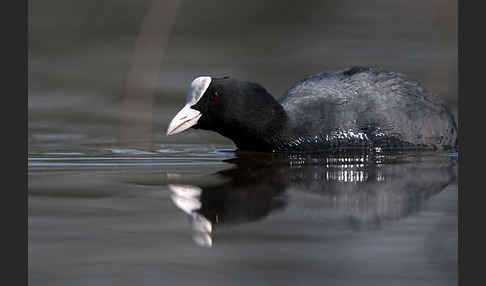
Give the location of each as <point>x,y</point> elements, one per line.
<point>368,190</point>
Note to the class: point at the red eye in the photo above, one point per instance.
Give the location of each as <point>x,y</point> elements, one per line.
<point>215,96</point>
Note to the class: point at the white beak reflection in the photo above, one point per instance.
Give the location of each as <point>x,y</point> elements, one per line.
<point>186,197</point>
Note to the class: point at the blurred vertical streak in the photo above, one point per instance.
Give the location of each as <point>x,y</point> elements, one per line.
<point>148,52</point>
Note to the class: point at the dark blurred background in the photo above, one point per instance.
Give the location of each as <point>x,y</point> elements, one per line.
<point>113,73</point>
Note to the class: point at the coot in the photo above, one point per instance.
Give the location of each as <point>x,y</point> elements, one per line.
<point>362,108</point>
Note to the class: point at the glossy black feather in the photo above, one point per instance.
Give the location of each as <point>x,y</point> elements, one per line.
<point>360,107</point>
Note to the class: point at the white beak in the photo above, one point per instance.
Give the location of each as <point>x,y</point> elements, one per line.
<point>184,119</point>
<point>188,117</point>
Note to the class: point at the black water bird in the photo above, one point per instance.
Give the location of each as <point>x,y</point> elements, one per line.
<point>357,108</point>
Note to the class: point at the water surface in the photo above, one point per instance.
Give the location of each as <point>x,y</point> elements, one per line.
<point>186,214</point>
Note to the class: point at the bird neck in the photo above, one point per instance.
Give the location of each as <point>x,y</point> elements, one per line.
<point>261,132</point>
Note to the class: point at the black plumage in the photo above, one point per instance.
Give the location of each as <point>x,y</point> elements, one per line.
<point>356,108</point>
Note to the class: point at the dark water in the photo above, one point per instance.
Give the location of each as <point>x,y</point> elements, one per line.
<point>184,215</point>
<point>113,201</point>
